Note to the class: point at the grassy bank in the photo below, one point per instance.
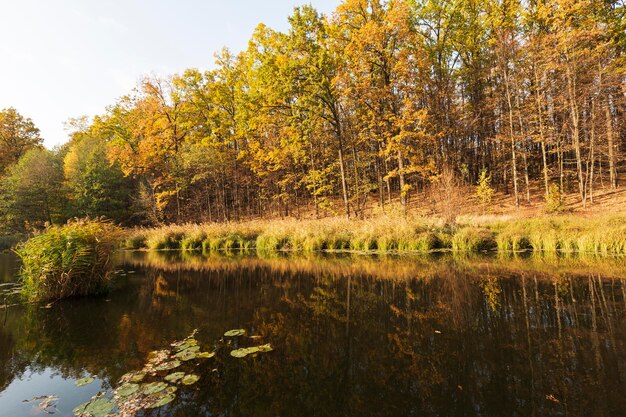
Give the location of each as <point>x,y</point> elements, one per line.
<point>605,235</point>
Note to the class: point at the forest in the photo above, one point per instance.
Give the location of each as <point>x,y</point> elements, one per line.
<point>368,108</point>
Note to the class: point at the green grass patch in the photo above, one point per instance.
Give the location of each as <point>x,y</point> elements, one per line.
<point>69,260</point>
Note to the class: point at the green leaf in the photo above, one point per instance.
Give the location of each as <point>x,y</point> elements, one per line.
<point>153,388</point>
<point>175,377</point>
<point>127,390</point>
<point>168,365</point>
<point>99,407</point>
<point>190,379</point>
<point>205,355</point>
<point>84,381</point>
<point>186,355</point>
<point>235,333</point>
<point>162,399</point>
<point>135,376</point>
<point>243,352</point>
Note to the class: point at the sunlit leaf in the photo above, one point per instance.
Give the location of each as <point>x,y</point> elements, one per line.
<point>168,365</point>
<point>162,399</point>
<point>175,377</point>
<point>84,381</point>
<point>153,388</point>
<point>190,379</point>
<point>127,390</point>
<point>186,355</point>
<point>99,407</point>
<point>235,332</point>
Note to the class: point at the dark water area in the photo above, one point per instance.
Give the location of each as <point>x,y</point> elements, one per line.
<point>352,336</point>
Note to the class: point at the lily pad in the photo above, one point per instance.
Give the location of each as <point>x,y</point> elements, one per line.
<point>175,377</point>
<point>134,376</point>
<point>243,352</point>
<point>153,388</point>
<point>205,355</point>
<point>235,333</point>
<point>190,379</point>
<point>265,348</point>
<point>99,407</point>
<point>84,381</point>
<point>186,355</point>
<point>167,365</point>
<point>127,390</point>
<point>157,355</point>
<point>162,399</point>
<point>187,344</point>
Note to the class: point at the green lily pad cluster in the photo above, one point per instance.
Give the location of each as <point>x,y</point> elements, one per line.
<point>157,383</point>
<point>151,387</point>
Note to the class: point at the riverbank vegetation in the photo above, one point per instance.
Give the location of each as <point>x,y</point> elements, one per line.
<point>604,235</point>
<point>69,260</point>
<point>347,115</point>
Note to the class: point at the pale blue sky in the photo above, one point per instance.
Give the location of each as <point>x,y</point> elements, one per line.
<point>67,58</point>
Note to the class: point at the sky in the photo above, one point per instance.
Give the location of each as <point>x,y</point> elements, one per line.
<point>68,58</point>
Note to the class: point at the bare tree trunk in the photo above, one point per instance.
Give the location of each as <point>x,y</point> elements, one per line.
<point>343,180</point>
<point>402,180</point>
<point>541,132</point>
<point>610,143</point>
<point>571,89</point>
<point>513,153</point>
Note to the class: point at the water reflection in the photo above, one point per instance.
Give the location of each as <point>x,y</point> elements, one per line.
<point>354,336</point>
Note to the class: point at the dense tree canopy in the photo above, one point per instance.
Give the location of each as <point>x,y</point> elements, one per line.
<point>375,101</point>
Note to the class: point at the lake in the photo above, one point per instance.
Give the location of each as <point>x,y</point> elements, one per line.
<point>352,335</point>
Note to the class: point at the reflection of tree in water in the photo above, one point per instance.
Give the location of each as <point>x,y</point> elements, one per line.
<point>455,341</point>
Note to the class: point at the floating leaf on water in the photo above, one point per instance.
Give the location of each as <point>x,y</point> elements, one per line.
<point>127,390</point>
<point>99,407</point>
<point>84,381</point>
<point>187,344</point>
<point>153,388</point>
<point>168,365</point>
<point>205,355</point>
<point>235,332</point>
<point>157,356</point>
<point>243,352</point>
<point>134,376</point>
<point>161,399</point>
<point>170,390</point>
<point>240,353</point>
<point>190,379</point>
<point>186,355</point>
<point>175,377</point>
<point>265,348</point>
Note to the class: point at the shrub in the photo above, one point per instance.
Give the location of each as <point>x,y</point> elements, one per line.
<point>69,260</point>
<point>554,200</point>
<point>484,192</point>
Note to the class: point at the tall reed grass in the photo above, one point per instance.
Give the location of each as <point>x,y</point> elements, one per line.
<point>69,260</point>
<point>551,234</point>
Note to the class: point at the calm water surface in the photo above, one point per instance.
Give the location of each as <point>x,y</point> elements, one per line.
<point>353,336</point>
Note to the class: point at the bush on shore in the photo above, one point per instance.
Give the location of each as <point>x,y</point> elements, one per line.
<point>69,260</point>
